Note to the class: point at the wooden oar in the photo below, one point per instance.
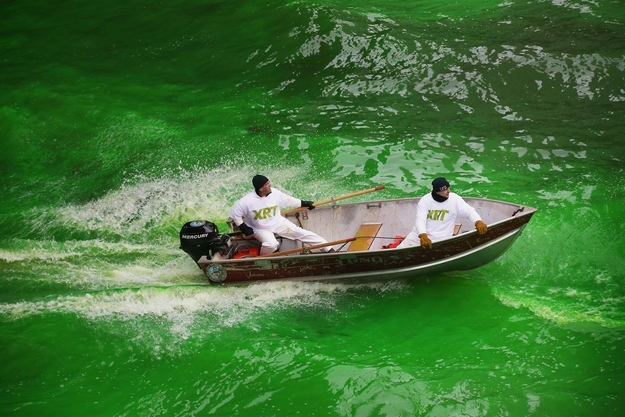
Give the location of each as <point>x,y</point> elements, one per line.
<point>297,250</point>
<point>342,197</point>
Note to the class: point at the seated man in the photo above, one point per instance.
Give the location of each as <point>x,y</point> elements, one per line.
<point>258,214</point>
<point>436,216</point>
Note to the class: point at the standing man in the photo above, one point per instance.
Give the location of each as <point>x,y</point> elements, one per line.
<point>258,214</point>
<point>436,216</point>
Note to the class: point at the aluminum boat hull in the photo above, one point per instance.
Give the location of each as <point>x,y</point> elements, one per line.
<point>467,250</point>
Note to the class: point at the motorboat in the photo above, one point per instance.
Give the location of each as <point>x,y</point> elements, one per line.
<point>362,237</point>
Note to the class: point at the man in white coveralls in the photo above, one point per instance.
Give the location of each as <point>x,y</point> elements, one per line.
<point>258,214</point>
<point>436,216</point>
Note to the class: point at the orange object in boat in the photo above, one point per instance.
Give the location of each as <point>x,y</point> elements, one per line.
<point>247,253</point>
<point>396,242</point>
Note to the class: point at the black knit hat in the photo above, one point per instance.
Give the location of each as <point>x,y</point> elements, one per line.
<point>440,184</point>
<point>258,181</point>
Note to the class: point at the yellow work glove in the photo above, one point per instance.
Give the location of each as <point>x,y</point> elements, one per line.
<point>426,243</point>
<point>481,227</point>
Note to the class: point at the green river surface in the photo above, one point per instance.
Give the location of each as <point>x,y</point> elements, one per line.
<point>121,120</point>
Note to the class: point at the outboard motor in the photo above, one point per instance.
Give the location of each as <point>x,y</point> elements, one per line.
<point>200,237</point>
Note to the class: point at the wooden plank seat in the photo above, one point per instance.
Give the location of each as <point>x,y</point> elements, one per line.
<point>365,236</point>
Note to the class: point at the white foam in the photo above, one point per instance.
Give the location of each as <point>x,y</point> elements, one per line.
<point>228,305</point>
<point>142,205</point>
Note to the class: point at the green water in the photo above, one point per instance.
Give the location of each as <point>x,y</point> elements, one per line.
<point>122,120</point>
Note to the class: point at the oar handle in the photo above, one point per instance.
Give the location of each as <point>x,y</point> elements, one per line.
<point>311,247</point>
<point>341,197</point>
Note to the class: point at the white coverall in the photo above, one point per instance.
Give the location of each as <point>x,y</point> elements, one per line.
<point>262,214</point>
<point>438,219</point>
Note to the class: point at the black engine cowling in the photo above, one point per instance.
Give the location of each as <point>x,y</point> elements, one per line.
<point>199,238</point>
